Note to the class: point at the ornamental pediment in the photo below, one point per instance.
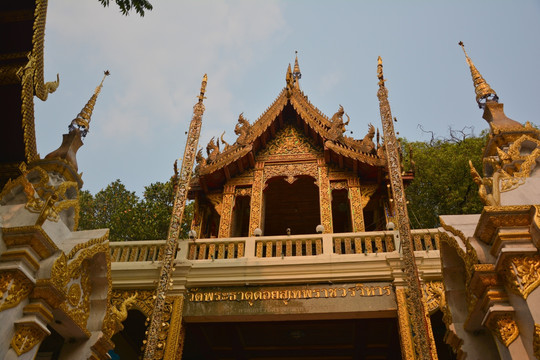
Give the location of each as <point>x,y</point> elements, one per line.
<point>289,141</point>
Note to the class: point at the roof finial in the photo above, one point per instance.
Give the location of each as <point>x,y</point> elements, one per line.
<point>297,75</point>
<point>483,91</point>
<point>82,121</point>
<point>201,96</point>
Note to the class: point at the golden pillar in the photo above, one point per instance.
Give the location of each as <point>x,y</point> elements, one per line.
<point>175,333</point>
<point>226,212</point>
<point>357,209</point>
<point>405,334</point>
<point>256,198</point>
<point>325,196</point>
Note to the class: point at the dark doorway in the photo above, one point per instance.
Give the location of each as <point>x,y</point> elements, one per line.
<point>349,339</point>
<point>341,211</point>
<point>50,347</point>
<point>444,351</point>
<point>240,218</point>
<point>128,342</point>
<point>294,206</point>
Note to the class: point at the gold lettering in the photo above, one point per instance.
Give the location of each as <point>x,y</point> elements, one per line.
<point>388,289</point>
<point>285,294</point>
<point>191,296</point>
<point>343,292</point>
<point>274,295</point>
<point>380,290</point>
<point>370,291</point>
<point>295,294</point>
<point>266,295</point>
<point>308,293</point>
<point>209,296</point>
<point>332,292</point>
<point>198,297</point>
<point>352,290</point>
<point>232,297</point>
<point>360,288</point>
<point>249,295</point>
<point>257,295</point>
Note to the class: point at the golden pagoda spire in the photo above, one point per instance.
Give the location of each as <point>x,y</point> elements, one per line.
<point>297,75</point>
<point>483,91</point>
<point>82,121</point>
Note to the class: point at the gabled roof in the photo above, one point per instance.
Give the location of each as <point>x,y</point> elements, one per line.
<point>291,103</point>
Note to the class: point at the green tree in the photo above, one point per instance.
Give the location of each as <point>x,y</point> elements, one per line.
<point>140,6</point>
<point>131,218</point>
<point>442,182</point>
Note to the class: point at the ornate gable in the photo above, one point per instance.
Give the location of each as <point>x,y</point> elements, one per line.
<point>289,141</point>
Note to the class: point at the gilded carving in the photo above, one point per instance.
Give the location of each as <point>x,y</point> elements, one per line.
<point>291,171</point>
<point>325,198</point>
<point>226,212</point>
<point>433,295</point>
<point>536,341</point>
<point>355,196</point>
<point>290,141</point>
<point>26,337</point>
<point>74,294</point>
<point>175,339</point>
<point>522,274</point>
<point>14,287</point>
<point>405,335</point>
<point>504,328</point>
<point>256,199</point>
<point>422,342</point>
<point>242,191</point>
<point>339,185</point>
<point>169,249</point>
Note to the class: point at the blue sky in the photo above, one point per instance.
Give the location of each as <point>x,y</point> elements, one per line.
<point>157,62</point>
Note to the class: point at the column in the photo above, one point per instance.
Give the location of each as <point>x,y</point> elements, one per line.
<point>255,220</point>
<point>355,196</point>
<point>325,201</point>
<point>226,212</point>
<point>405,335</point>
<point>175,330</point>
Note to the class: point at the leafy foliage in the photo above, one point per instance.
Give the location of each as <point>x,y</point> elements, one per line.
<point>126,6</point>
<point>131,218</point>
<point>443,184</point>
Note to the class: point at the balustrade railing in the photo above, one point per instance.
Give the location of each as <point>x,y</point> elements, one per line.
<point>130,251</point>
<point>372,242</point>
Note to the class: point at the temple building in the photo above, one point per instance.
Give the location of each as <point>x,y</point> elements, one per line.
<point>297,248</point>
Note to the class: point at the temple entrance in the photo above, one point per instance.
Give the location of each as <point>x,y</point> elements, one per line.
<point>128,342</point>
<point>341,211</point>
<point>294,206</point>
<point>316,339</point>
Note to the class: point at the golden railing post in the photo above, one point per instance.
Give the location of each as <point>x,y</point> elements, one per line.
<point>324,196</point>
<point>226,212</point>
<point>153,343</point>
<point>418,318</point>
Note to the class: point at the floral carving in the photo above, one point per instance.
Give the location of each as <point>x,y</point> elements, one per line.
<point>290,141</point>
<point>522,274</point>
<point>504,328</point>
<point>291,171</point>
<point>14,287</point>
<point>26,337</point>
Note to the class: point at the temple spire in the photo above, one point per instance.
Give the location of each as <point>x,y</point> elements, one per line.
<point>78,128</point>
<point>297,75</point>
<point>483,91</point>
<point>82,121</point>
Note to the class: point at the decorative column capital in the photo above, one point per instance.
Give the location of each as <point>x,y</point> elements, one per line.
<point>522,274</point>
<point>503,326</point>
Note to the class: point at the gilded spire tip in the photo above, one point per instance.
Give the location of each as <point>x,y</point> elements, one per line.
<point>380,74</point>
<point>82,121</point>
<point>201,96</point>
<point>297,74</point>
<point>483,91</point>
